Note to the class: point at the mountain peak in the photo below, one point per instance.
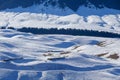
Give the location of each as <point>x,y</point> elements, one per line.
<point>72,4</point>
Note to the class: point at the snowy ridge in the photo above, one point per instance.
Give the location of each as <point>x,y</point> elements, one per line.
<point>40,57</point>
<point>72,4</point>
<point>90,15</point>
<point>108,23</point>
<point>40,16</point>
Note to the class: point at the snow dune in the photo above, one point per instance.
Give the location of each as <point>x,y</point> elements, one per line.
<point>25,56</point>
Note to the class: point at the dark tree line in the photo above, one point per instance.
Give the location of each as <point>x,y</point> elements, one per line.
<point>75,32</point>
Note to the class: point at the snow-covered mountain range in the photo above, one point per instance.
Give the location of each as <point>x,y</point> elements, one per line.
<point>72,4</point>
<point>27,56</point>
<point>75,14</point>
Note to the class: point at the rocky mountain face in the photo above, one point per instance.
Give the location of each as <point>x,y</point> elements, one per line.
<point>72,4</point>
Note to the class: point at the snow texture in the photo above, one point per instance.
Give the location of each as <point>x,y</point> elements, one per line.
<point>24,56</point>
<point>39,16</point>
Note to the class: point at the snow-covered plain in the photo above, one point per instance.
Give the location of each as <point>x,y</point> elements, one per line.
<point>53,17</point>
<point>25,56</point>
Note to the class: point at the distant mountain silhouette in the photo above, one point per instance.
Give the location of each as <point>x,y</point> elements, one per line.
<point>72,4</point>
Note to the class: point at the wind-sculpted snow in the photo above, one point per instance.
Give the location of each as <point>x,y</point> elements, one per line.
<point>25,56</point>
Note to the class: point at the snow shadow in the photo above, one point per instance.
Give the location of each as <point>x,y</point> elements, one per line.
<point>53,66</point>
<point>64,44</point>
<point>115,72</point>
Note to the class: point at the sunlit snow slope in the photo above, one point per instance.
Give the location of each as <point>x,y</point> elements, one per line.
<point>25,56</point>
